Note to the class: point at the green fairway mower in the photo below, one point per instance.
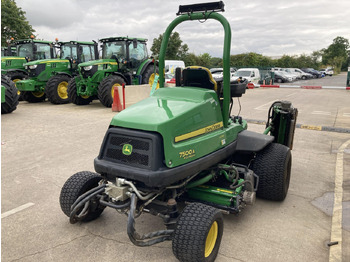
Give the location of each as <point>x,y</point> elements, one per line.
<point>50,77</point>
<point>26,50</point>
<point>124,61</point>
<point>181,157</point>
<point>9,96</point>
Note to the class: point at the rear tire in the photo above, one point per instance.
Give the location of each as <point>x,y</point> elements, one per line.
<point>73,95</point>
<point>273,166</point>
<point>105,89</point>
<point>198,233</point>
<point>76,185</point>
<point>56,89</point>
<point>11,96</point>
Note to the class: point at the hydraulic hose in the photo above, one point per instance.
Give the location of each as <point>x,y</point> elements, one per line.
<point>73,218</point>
<point>147,239</point>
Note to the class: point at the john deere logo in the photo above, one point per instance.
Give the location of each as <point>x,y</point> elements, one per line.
<point>127,149</point>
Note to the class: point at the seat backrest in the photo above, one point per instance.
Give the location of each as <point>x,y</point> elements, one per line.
<point>197,76</point>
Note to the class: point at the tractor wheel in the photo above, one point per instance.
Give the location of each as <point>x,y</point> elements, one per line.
<point>198,233</point>
<point>75,186</point>
<point>148,75</point>
<point>106,89</point>
<point>11,96</point>
<point>33,97</point>
<point>15,77</point>
<point>273,166</point>
<point>73,95</point>
<point>56,89</point>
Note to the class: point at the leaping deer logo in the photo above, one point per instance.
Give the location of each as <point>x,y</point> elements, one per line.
<point>127,149</point>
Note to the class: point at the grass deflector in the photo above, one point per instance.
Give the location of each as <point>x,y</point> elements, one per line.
<point>180,156</point>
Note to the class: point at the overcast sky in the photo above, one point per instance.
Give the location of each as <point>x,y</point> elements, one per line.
<point>267,27</point>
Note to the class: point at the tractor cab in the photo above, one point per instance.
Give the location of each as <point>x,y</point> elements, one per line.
<point>77,52</point>
<point>126,51</point>
<point>34,49</point>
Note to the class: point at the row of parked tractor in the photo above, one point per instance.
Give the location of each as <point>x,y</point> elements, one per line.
<point>73,71</point>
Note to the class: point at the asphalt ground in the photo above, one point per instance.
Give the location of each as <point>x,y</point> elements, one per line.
<point>42,145</point>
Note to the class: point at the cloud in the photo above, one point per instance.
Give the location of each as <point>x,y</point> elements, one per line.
<point>268,27</point>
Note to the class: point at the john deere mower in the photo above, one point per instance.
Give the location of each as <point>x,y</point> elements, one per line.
<point>49,77</point>
<point>124,61</point>
<point>181,157</point>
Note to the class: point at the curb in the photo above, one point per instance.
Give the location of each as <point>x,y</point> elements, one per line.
<point>309,127</point>
<point>304,87</point>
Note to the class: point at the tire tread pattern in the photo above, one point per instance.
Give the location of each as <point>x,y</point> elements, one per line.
<point>191,231</point>
<point>270,165</point>
<point>75,186</point>
<point>51,89</point>
<point>11,96</point>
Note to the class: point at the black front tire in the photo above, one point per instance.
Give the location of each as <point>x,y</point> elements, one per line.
<point>75,186</point>
<point>273,166</point>
<point>11,96</point>
<point>148,73</point>
<point>17,76</point>
<point>73,95</point>
<point>56,89</point>
<point>198,233</point>
<point>106,91</point>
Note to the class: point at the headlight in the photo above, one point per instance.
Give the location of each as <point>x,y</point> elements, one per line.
<point>26,67</point>
<point>33,66</point>
<point>87,68</point>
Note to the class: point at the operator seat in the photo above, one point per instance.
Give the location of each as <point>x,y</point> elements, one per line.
<point>198,76</point>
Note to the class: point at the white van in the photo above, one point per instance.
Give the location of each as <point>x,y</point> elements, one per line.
<point>171,65</point>
<point>251,74</point>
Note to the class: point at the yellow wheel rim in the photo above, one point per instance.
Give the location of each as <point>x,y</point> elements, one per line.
<point>85,96</point>
<point>211,239</point>
<point>151,80</point>
<point>16,80</point>
<point>62,90</point>
<point>38,94</point>
<point>112,89</point>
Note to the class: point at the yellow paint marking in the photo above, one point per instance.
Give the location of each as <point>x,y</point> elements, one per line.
<point>335,251</point>
<point>319,128</point>
<point>199,132</point>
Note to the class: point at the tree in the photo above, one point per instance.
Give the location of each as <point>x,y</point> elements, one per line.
<point>175,50</point>
<point>13,22</point>
<point>337,53</point>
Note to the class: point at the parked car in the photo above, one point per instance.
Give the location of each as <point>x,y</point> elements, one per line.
<point>251,74</point>
<point>315,73</point>
<point>281,77</point>
<point>217,73</point>
<point>303,75</point>
<point>289,75</point>
<point>295,75</point>
<point>327,71</point>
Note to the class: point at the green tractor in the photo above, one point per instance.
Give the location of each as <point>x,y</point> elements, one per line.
<point>124,61</point>
<point>50,77</point>
<point>179,155</point>
<point>26,50</point>
<point>9,96</point>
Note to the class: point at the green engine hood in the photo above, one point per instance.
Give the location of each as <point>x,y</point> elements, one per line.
<point>46,61</point>
<point>98,62</point>
<point>188,118</point>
